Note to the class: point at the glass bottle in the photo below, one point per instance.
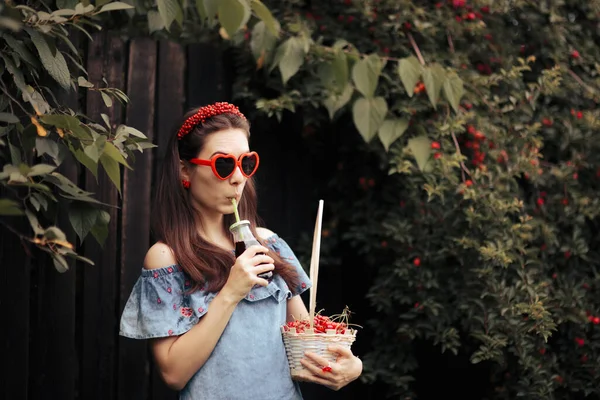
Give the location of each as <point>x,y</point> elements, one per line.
<point>243,238</point>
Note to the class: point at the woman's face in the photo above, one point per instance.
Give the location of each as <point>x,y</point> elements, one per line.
<point>209,194</point>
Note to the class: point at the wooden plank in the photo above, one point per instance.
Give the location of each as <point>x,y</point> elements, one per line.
<point>14,303</point>
<point>135,221</point>
<point>106,55</point>
<point>170,102</point>
<point>208,77</point>
<point>170,96</point>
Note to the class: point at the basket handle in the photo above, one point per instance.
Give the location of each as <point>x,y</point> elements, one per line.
<point>314,263</point>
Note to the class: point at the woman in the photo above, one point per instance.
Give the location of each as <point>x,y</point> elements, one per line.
<point>214,323</point>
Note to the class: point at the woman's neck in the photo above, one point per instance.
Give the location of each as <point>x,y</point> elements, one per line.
<point>210,227</point>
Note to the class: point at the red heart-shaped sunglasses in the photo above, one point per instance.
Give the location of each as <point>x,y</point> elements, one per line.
<point>223,165</point>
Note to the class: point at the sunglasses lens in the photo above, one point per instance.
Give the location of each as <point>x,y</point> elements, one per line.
<point>249,164</point>
<point>224,166</point>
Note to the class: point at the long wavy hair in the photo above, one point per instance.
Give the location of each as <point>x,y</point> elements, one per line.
<point>174,221</point>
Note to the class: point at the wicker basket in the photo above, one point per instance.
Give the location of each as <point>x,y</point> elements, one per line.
<point>296,344</point>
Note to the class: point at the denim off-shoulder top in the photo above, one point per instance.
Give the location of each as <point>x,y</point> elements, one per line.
<point>249,361</point>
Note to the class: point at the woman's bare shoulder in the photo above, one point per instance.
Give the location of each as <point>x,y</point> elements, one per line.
<point>158,256</point>
<point>264,233</point>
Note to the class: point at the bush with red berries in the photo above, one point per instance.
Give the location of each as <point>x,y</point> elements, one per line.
<point>464,134</point>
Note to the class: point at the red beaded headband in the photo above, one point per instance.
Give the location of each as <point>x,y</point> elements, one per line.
<point>206,112</point>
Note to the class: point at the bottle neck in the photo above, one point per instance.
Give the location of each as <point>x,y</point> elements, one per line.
<point>241,232</point>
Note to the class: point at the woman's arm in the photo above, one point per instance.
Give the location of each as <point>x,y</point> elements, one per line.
<point>173,355</point>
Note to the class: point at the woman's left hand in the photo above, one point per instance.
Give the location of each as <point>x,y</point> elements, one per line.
<point>334,375</point>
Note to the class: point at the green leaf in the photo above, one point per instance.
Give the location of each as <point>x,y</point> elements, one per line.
<point>47,146</point>
<point>112,170</point>
<point>22,50</point>
<point>368,115</point>
<point>340,70</point>
<point>210,7</point>
<point>60,263</point>
<point>33,221</point>
<point>100,229</point>
<point>433,78</point>
<point>65,185</point>
<point>128,131</point>
<point>7,117</point>
<point>290,57</point>
<point>365,74</point>
<point>10,207</point>
<point>16,73</point>
<point>114,6</point>
<point>391,130</point>
<point>55,64</point>
<point>233,15</point>
<point>262,43</point>
<point>265,15</point>
<point>155,21</point>
<point>87,162</point>
<point>336,101</point>
<point>170,11</point>
<point>420,147</point>
<point>61,121</point>
<point>111,151</point>
<point>409,70</point>
<point>83,217</point>
<point>41,169</point>
<point>96,149</point>
<point>453,90</point>
<point>107,100</point>
<point>82,82</point>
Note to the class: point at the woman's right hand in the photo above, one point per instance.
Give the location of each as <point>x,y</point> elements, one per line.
<point>243,274</point>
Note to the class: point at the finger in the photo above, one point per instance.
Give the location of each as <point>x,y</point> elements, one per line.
<point>319,360</point>
<point>260,281</point>
<point>340,350</point>
<point>259,269</point>
<point>262,259</point>
<point>318,369</point>
<point>254,250</point>
<point>308,377</point>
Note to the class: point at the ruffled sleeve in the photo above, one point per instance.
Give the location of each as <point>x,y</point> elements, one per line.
<point>160,305</point>
<point>287,254</point>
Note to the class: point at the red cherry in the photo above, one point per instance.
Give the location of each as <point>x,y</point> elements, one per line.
<point>435,145</point>
<point>575,54</point>
<point>417,261</point>
<point>596,320</point>
<point>580,342</point>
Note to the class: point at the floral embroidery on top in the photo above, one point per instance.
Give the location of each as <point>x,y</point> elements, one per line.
<point>186,312</point>
<point>201,310</point>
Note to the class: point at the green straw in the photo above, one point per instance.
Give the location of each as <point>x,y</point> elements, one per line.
<point>235,210</point>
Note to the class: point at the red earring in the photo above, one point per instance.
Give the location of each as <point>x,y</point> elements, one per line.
<point>186,184</point>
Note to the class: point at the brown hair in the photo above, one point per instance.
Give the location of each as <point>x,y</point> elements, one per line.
<point>173,219</point>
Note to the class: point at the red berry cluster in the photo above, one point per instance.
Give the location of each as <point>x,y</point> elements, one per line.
<point>321,325</point>
<point>206,112</point>
<point>473,142</point>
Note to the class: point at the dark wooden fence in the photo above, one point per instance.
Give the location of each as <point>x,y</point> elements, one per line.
<point>59,332</point>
